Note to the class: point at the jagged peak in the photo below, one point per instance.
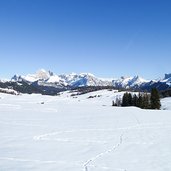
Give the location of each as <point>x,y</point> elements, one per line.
<point>86,74</point>
<point>138,78</point>
<point>167,76</point>
<point>16,77</point>
<point>85,79</point>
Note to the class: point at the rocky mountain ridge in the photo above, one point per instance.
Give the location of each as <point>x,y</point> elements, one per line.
<point>46,82</point>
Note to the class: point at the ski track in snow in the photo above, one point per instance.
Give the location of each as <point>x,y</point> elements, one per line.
<point>86,165</point>
<point>89,163</point>
<point>43,137</point>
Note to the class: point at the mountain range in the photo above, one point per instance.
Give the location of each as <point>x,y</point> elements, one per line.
<point>46,82</point>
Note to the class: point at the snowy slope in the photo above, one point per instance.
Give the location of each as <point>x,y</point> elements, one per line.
<point>80,134</point>
<point>8,91</point>
<point>166,103</point>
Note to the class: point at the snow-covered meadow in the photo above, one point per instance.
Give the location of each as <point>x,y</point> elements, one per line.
<point>64,133</point>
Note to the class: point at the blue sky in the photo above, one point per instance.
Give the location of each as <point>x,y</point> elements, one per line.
<point>108,38</point>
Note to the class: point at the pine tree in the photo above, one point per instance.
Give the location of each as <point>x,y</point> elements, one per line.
<point>146,104</point>
<point>155,99</point>
<point>135,100</point>
<point>129,99</point>
<point>125,99</point>
<point>140,100</point>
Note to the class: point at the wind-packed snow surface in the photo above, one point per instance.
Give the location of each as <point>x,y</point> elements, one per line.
<point>166,103</point>
<point>65,133</point>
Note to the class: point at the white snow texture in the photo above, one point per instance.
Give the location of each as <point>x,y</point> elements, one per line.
<point>65,133</point>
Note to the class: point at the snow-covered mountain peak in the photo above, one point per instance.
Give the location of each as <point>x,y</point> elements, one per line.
<point>138,80</point>
<point>167,79</point>
<point>167,76</point>
<point>16,78</point>
<point>42,74</point>
<point>39,75</point>
<point>128,82</point>
<point>86,75</point>
<point>73,80</point>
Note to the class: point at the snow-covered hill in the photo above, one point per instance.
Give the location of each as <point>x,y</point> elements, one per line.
<point>166,103</point>
<point>65,133</point>
<point>8,91</point>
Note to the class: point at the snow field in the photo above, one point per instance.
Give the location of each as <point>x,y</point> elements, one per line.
<point>81,134</point>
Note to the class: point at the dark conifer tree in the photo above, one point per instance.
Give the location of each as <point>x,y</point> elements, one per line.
<point>146,104</point>
<point>125,99</point>
<point>129,99</point>
<point>155,99</point>
<point>135,100</point>
<point>140,101</point>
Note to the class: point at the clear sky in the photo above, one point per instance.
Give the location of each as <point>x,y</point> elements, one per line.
<point>108,38</point>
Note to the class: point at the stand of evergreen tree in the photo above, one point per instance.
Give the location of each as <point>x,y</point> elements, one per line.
<point>142,100</point>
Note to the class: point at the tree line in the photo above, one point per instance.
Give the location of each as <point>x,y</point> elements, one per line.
<point>142,100</point>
